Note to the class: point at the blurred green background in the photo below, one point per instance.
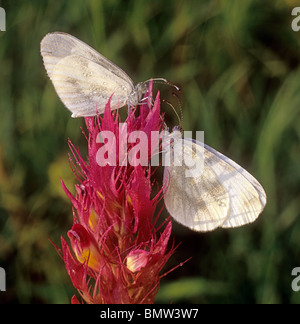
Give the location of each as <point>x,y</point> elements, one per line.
<point>237,63</point>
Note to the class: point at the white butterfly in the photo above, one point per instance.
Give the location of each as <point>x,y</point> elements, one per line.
<point>84,79</point>
<point>215,192</point>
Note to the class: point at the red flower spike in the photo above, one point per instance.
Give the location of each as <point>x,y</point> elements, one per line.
<point>116,254</point>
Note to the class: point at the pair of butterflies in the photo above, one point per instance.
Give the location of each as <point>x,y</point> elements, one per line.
<point>223,195</point>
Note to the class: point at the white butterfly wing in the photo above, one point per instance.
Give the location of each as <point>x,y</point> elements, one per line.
<point>224,195</point>
<point>247,196</point>
<point>82,77</point>
<point>201,202</point>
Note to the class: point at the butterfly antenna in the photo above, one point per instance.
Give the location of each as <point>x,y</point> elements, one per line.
<point>166,126</point>
<point>176,113</point>
<point>180,107</point>
<point>164,81</point>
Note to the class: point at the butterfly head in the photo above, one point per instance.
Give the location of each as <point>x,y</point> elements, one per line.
<point>137,93</point>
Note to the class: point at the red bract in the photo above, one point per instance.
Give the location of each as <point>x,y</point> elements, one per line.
<point>116,253</point>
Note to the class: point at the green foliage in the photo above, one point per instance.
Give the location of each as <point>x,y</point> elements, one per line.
<point>237,63</point>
